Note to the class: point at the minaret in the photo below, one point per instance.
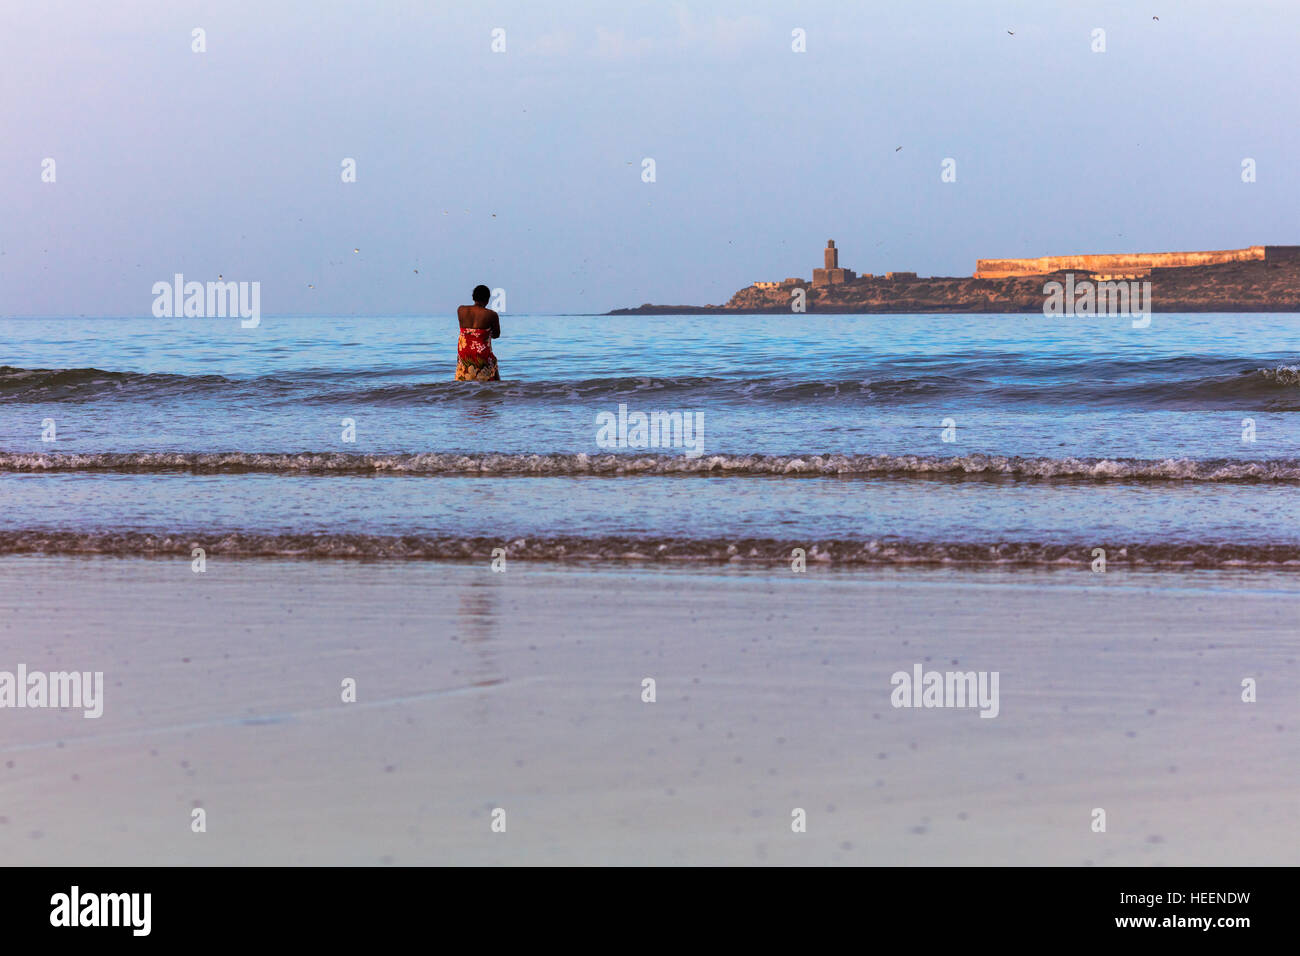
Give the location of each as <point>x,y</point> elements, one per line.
<point>832,274</point>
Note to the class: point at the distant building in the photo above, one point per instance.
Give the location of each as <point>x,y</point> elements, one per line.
<point>832,274</point>
<point>1128,265</point>
<point>900,275</point>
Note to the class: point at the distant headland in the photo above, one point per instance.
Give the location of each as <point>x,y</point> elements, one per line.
<point>1254,279</point>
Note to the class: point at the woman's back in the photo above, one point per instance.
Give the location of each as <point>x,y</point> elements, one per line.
<point>479,317</point>
<point>479,325</point>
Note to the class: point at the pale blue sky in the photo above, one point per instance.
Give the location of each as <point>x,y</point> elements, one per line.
<point>523,169</point>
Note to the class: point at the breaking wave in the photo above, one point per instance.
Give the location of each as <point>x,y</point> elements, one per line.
<point>1168,383</point>
<point>753,551</point>
<point>619,465</point>
<point>63,384</point>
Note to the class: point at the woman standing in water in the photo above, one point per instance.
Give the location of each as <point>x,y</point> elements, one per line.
<point>478,326</point>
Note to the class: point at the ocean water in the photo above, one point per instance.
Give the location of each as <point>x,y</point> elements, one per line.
<point>862,439</point>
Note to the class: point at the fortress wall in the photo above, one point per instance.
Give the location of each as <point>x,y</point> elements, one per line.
<point>1123,262</point>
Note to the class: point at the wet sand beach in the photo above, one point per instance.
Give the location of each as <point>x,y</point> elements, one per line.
<point>523,691</point>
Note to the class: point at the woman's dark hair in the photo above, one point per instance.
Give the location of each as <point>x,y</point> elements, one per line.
<point>481,294</point>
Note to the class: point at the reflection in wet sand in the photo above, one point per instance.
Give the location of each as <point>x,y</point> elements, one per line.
<point>476,629</point>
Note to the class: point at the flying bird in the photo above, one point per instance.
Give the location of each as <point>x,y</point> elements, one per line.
<point>1011,33</point>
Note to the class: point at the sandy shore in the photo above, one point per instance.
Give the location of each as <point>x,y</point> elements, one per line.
<point>522,691</point>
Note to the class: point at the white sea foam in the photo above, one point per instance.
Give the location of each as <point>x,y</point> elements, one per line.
<point>616,465</point>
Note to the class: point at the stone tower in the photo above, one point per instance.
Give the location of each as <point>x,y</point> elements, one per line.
<point>832,274</point>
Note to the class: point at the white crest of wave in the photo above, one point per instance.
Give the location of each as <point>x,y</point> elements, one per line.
<point>615,465</point>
